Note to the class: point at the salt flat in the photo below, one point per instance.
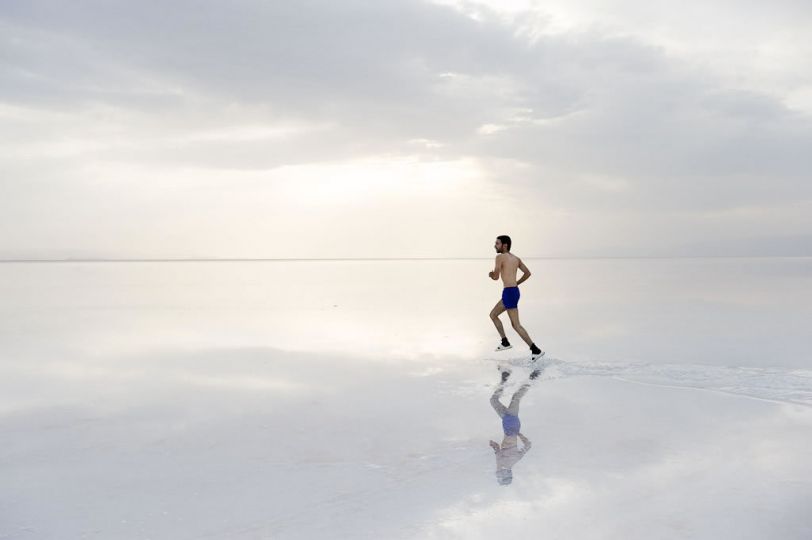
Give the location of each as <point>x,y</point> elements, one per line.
<point>351,400</point>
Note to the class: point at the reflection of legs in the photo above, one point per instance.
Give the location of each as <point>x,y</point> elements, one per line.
<point>500,409</point>
<point>513,408</point>
<point>514,321</point>
<point>497,310</point>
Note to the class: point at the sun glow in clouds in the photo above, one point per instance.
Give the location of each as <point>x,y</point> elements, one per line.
<point>379,179</point>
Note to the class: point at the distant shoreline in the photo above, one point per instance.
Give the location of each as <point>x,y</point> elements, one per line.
<point>370,259</point>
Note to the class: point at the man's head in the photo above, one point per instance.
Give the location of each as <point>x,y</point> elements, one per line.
<point>504,477</point>
<point>502,244</point>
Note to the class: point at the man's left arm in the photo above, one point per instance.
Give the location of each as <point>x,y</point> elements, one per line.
<point>525,442</point>
<point>526,273</point>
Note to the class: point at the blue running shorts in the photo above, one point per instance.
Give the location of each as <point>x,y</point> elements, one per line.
<point>511,424</point>
<point>510,297</point>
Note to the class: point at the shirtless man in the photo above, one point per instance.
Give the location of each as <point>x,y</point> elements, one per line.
<point>507,264</point>
<point>508,453</point>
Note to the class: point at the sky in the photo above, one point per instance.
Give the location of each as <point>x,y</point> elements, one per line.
<point>320,129</point>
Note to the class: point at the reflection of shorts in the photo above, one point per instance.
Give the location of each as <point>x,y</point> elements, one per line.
<point>511,424</point>
<point>510,297</point>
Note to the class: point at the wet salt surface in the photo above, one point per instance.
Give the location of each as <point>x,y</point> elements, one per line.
<point>314,400</point>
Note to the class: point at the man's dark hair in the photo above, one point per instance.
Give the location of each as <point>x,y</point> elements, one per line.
<point>505,239</point>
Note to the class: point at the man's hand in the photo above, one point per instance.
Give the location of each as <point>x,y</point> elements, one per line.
<point>494,445</point>
<point>497,267</point>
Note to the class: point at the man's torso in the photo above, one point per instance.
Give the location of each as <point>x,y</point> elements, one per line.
<point>506,458</point>
<point>509,441</point>
<point>509,265</point>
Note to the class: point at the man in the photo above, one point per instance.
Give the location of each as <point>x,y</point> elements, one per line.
<point>506,265</point>
<point>508,453</point>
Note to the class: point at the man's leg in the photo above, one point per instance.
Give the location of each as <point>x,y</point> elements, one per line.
<point>497,310</point>
<point>514,321</point>
<point>496,404</point>
<point>513,408</point>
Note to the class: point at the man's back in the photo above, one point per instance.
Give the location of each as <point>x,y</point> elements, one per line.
<point>508,266</point>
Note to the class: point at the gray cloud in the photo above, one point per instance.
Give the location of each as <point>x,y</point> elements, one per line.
<point>596,124</point>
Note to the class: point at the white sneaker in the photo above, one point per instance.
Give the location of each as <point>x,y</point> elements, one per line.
<point>503,348</point>
<point>534,357</point>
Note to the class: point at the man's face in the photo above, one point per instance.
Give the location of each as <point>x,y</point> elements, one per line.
<point>498,246</point>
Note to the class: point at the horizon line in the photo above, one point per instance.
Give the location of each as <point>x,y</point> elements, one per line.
<point>333,259</point>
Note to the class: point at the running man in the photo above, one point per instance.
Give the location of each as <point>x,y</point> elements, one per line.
<point>506,265</point>
<point>508,453</point>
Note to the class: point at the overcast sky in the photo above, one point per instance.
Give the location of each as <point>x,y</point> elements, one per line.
<point>404,128</point>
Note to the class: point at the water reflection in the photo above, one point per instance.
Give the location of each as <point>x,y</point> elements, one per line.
<point>508,453</point>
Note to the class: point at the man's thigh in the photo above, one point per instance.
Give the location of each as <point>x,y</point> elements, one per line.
<point>498,309</point>
<point>513,408</point>
<point>500,409</point>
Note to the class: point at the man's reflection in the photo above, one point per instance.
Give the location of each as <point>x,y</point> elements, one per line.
<point>509,453</point>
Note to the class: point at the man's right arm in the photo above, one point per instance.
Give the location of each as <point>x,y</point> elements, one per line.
<point>497,268</point>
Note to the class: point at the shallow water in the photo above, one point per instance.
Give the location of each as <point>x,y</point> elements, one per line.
<point>351,399</point>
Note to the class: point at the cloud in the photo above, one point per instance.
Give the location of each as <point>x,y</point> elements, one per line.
<point>607,117</point>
